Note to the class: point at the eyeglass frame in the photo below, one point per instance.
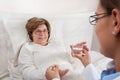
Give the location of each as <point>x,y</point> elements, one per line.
<point>38,32</point>
<point>96,18</point>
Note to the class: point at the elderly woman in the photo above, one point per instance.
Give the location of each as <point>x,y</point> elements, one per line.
<point>107,21</point>
<point>39,53</point>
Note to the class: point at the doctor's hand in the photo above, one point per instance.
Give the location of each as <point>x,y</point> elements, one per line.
<point>80,51</point>
<point>54,72</point>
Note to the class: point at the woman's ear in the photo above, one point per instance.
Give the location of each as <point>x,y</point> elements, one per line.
<point>116,21</point>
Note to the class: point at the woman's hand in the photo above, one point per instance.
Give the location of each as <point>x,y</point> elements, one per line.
<point>54,72</point>
<point>63,72</point>
<point>80,51</point>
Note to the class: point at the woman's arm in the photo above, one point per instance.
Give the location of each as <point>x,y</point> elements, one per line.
<point>27,66</point>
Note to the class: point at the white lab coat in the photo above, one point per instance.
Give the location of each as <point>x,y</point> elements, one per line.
<point>91,73</point>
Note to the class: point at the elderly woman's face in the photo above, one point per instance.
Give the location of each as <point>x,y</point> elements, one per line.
<point>104,32</point>
<point>40,35</point>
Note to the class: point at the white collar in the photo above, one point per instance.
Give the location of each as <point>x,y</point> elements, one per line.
<point>111,65</point>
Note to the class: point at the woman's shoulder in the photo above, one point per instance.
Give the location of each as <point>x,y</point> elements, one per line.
<point>32,46</point>
<point>27,45</point>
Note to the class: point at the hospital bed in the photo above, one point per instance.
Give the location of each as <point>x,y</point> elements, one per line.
<point>69,29</point>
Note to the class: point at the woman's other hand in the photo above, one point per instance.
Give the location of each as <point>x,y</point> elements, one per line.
<point>63,72</point>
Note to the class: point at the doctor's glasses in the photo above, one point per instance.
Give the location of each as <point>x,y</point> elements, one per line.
<point>94,18</point>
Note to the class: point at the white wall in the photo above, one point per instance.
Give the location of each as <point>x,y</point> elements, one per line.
<point>47,6</point>
<point>50,7</point>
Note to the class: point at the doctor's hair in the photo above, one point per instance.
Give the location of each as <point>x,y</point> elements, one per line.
<point>33,23</point>
<point>109,5</point>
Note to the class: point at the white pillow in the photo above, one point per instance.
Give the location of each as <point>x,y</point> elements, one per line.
<point>5,50</point>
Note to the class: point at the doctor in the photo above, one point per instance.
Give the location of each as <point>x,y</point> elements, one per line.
<point>107,22</point>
